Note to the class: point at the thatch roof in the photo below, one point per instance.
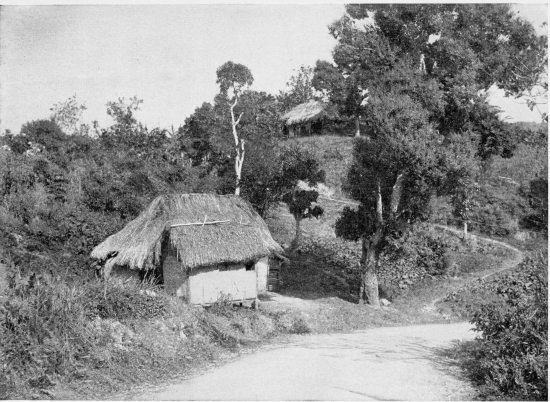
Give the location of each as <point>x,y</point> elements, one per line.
<point>244,237</point>
<point>308,112</point>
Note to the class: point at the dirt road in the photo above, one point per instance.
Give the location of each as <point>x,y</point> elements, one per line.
<point>388,363</point>
<point>403,363</point>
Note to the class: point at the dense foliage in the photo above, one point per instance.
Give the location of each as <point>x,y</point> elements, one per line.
<point>510,358</point>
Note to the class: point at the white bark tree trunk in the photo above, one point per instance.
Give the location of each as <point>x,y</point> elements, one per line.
<point>239,147</point>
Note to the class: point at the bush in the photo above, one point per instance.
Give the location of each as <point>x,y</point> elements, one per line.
<point>509,360</point>
<point>223,306</point>
<point>423,248</point>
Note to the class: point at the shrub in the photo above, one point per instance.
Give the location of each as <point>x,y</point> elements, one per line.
<point>510,357</point>
<point>223,306</point>
<point>423,247</point>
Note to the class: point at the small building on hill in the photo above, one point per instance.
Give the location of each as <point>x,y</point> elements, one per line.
<point>309,117</point>
<point>205,246</point>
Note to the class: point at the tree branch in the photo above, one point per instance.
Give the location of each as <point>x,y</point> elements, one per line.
<point>239,119</point>
<point>396,193</point>
<point>379,207</point>
<point>233,123</point>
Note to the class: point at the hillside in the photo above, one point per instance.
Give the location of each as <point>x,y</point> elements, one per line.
<point>335,154</point>
<point>502,201</point>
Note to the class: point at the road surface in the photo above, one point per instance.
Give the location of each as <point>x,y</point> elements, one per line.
<point>390,363</point>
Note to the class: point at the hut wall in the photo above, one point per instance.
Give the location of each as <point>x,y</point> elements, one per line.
<point>262,272</point>
<point>174,276</point>
<point>206,285</point>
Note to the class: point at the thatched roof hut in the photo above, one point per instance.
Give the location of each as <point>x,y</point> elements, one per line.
<point>204,229</point>
<point>308,112</point>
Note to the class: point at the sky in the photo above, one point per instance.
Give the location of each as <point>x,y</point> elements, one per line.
<point>166,55</point>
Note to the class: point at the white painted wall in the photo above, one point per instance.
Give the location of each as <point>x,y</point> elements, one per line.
<point>207,285</point>
<point>262,272</point>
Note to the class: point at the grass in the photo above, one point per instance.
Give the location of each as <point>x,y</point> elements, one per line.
<point>60,341</point>
<point>334,154</point>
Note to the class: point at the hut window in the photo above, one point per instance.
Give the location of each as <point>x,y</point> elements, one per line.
<point>250,266</point>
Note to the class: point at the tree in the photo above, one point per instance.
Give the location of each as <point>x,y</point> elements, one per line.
<point>463,169</point>
<point>129,135</point>
<point>196,137</point>
<point>123,111</point>
<point>207,137</point>
<point>537,194</point>
<point>233,78</point>
<point>297,166</point>
<point>423,67</point>
<point>45,133</point>
<point>462,49</point>
<point>342,90</point>
<point>395,171</point>
<point>68,116</point>
<point>467,48</point>
<point>299,89</point>
<point>360,57</point>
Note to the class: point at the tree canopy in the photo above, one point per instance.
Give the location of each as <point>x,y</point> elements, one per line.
<point>415,72</point>
<point>462,50</point>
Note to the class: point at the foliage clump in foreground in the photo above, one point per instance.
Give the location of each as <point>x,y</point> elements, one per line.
<point>510,358</point>
<point>106,337</point>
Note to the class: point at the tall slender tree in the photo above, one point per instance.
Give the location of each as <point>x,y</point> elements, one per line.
<point>233,79</point>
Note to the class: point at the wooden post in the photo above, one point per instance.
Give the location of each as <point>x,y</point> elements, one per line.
<point>357,127</point>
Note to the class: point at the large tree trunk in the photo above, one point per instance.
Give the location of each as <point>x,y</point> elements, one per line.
<point>298,235</point>
<point>357,127</point>
<point>371,245</point>
<point>369,266</point>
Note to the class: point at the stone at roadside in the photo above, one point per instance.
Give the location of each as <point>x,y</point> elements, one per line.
<point>385,302</point>
<point>521,236</point>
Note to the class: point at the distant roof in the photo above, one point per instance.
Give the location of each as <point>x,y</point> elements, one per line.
<point>309,111</point>
<point>241,236</point>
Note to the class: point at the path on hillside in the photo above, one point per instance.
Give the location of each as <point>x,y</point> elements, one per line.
<point>481,274</point>
<point>391,363</point>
